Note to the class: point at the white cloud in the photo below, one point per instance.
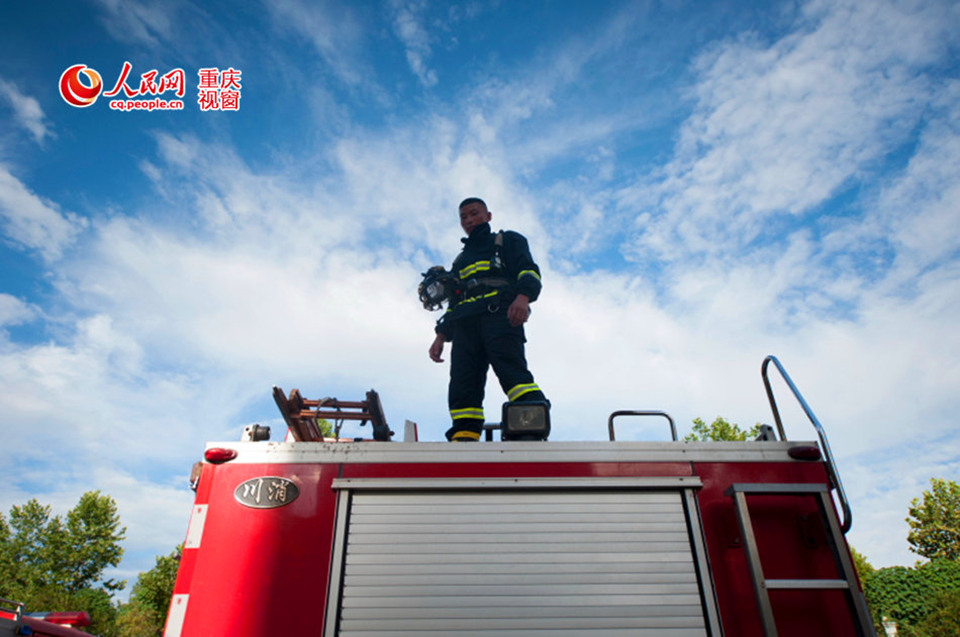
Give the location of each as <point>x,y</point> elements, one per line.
<point>879,520</point>
<point>334,30</point>
<point>13,311</point>
<point>920,210</point>
<point>82,395</point>
<point>409,28</point>
<point>27,111</point>
<point>135,21</point>
<point>34,223</point>
<point>138,502</point>
<point>779,128</point>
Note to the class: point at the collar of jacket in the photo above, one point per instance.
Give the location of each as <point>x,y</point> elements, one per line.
<point>478,234</point>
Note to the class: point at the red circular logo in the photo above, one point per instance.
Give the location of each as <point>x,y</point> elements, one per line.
<point>74,91</point>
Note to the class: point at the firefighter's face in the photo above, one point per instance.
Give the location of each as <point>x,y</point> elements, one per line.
<point>472,215</point>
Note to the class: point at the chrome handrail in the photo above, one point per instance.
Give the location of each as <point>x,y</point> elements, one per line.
<point>673,427</point>
<point>827,454</point>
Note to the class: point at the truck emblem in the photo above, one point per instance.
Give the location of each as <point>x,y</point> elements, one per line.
<point>268,492</point>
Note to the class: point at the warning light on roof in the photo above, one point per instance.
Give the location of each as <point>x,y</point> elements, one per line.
<point>804,452</point>
<point>219,455</point>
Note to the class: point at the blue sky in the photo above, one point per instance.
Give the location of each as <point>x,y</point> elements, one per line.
<point>702,183</point>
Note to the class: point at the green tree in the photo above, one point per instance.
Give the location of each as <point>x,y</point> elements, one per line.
<point>720,429</point>
<point>910,595</point>
<point>146,613</point>
<point>326,429</point>
<point>53,563</point>
<point>944,621</point>
<point>134,620</point>
<point>935,521</point>
<point>7,556</point>
<point>861,564</point>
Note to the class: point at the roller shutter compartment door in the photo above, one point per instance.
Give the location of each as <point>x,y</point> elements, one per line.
<point>519,563</point>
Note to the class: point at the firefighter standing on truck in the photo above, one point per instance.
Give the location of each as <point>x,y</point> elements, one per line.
<point>498,280</point>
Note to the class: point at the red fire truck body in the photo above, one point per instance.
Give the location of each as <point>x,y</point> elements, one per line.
<point>494,539</point>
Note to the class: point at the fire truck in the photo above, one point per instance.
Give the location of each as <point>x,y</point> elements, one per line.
<point>520,536</point>
<point>15,621</point>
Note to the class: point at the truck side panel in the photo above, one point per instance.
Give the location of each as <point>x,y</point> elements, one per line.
<point>248,572</point>
<point>258,571</point>
<point>793,545</point>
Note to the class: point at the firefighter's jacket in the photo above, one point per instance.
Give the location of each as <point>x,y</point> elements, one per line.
<point>490,278</point>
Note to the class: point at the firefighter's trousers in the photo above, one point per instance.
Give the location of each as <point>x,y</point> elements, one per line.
<point>479,342</point>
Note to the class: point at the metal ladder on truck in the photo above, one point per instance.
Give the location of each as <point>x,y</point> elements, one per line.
<point>302,415</point>
<point>835,530</point>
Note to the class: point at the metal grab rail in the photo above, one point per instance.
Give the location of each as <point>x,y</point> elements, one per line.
<point>828,455</point>
<point>13,608</point>
<point>673,427</point>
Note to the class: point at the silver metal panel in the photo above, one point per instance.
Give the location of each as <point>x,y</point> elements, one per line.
<point>508,562</point>
<point>500,452</point>
<point>476,484</point>
<point>703,564</point>
<point>336,570</point>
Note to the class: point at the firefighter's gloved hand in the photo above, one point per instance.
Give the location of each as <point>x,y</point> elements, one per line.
<point>436,349</point>
<point>519,310</point>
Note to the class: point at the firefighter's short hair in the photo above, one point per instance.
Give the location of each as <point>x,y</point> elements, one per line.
<point>470,200</point>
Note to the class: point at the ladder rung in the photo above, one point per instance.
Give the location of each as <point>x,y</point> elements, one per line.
<point>826,584</point>
<point>777,489</point>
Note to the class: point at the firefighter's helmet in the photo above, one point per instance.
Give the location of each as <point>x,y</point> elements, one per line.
<point>437,286</point>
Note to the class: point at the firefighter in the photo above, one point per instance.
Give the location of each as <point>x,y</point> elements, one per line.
<point>498,280</point>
